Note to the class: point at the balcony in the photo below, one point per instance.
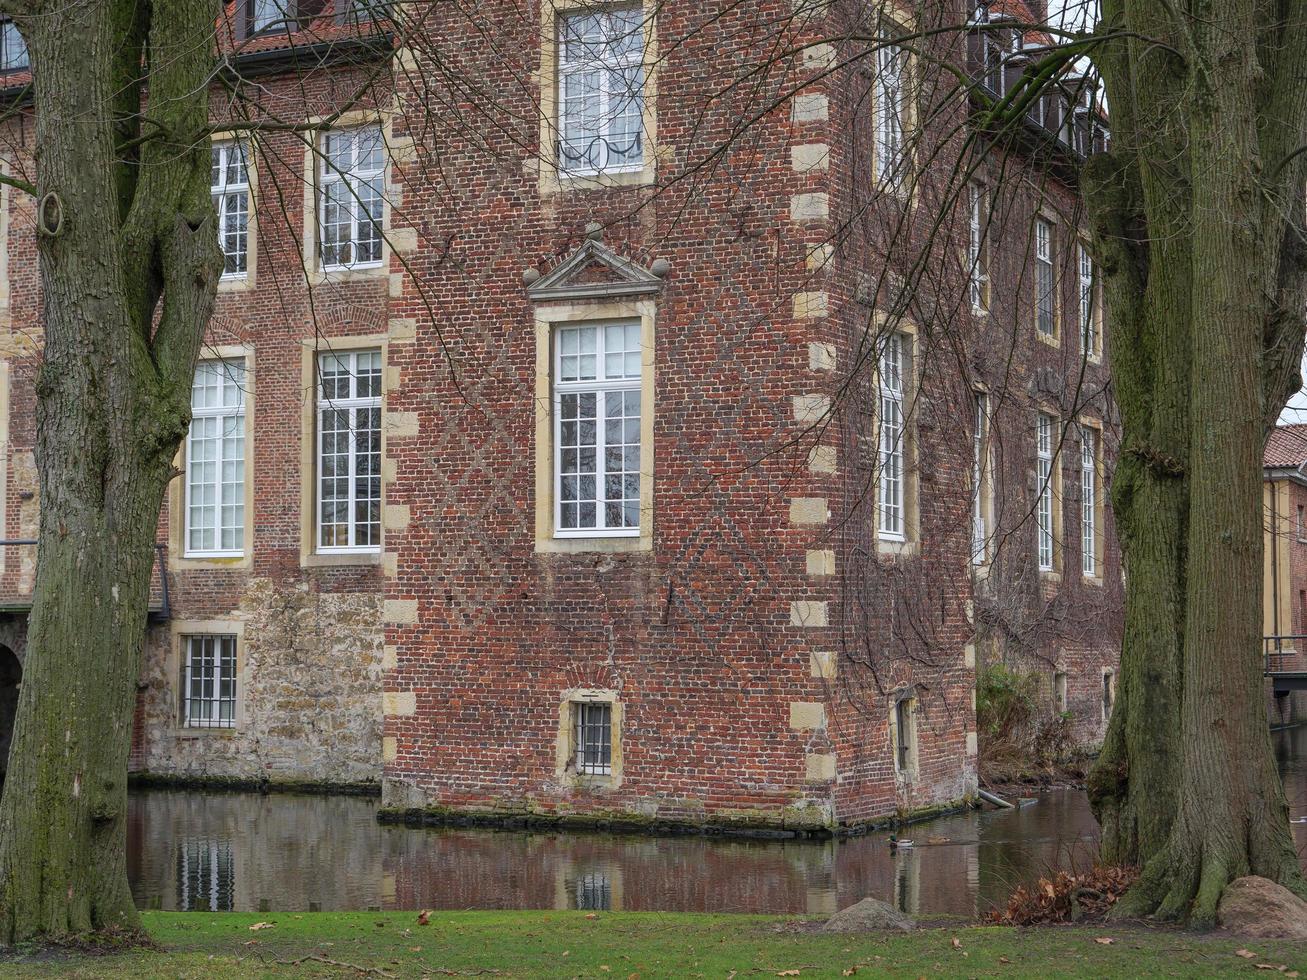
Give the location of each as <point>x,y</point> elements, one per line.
<point>18,578</point>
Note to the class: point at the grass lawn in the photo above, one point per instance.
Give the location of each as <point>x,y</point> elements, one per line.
<point>643,945</point>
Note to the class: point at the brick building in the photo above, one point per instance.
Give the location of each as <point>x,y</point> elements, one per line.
<point>1284,594</point>
<point>565,449</point>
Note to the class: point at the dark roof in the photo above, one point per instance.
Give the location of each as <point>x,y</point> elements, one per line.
<point>1286,446</point>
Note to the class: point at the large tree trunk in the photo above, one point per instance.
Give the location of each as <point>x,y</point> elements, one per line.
<point>129,270</point>
<point>1198,213</point>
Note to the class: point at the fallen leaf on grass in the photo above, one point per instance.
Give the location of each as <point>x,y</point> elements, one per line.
<point>849,972</point>
<point>1004,959</point>
<point>424,918</point>
<point>1247,954</point>
<point>261,925</point>
<point>957,943</point>
<point>788,973</point>
<point>1104,940</point>
<point>250,942</point>
<point>1269,966</point>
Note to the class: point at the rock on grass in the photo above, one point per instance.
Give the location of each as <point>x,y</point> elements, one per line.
<point>869,915</point>
<point>1258,908</point>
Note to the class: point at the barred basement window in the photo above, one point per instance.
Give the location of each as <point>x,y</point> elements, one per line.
<point>350,185</point>
<point>977,251</point>
<point>1044,474</point>
<point>1089,501</point>
<point>209,681</point>
<point>597,373</point>
<point>230,188</point>
<point>594,738</point>
<point>349,451</point>
<point>892,523</point>
<point>215,461</point>
<point>601,91</point>
<point>1045,293</point>
<point>891,108</point>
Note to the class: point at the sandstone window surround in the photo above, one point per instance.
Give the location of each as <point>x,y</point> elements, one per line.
<point>896,483</point>
<point>595,400</point>
<point>903,737</point>
<point>207,659</point>
<point>348,455</point>
<point>221,441</point>
<point>1090,295</point>
<point>1048,490</point>
<point>214,511</point>
<point>892,110</point>
<point>1045,281</point>
<point>978,248</point>
<point>589,744</point>
<point>1093,538</point>
<point>342,450</point>
<point>982,482</point>
<point>348,200</point>
<point>1109,693</point>
<point>598,83</point>
<point>1061,704</point>
<point>232,188</point>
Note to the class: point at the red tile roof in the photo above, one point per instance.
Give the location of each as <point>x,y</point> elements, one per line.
<point>1286,446</point>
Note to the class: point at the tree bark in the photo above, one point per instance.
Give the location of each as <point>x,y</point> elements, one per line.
<point>129,269</point>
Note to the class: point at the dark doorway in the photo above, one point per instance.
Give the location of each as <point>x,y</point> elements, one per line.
<point>11,675</point>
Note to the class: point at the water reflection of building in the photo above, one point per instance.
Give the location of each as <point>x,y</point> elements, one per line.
<point>206,875</point>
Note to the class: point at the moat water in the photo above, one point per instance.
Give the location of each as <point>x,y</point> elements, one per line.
<point>280,853</point>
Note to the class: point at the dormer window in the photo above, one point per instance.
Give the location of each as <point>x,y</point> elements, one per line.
<point>13,49</point>
<point>276,16</point>
<point>363,11</point>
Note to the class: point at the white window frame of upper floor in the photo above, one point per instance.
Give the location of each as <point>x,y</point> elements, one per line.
<point>352,404</point>
<point>569,380</point>
<point>1045,461</point>
<point>1089,439</point>
<point>979,476</point>
<point>232,201</point>
<point>891,484</point>
<point>977,250</point>
<point>617,98</point>
<point>231,378</point>
<point>360,183</point>
<point>891,105</point>
<point>1090,309</point>
<point>1045,267</point>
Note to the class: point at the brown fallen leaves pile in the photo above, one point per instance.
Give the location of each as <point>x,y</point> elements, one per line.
<point>1066,897</point>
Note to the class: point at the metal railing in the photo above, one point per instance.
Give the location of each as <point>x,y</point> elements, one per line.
<point>18,577</point>
<point>1283,653</point>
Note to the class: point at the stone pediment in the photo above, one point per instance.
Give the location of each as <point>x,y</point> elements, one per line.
<point>594,271</point>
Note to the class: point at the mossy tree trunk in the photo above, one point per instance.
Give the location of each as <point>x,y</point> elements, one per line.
<point>129,267</point>
<point>1198,215</point>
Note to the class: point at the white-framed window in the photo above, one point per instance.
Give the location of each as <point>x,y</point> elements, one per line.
<point>349,451</point>
<point>1088,279</point>
<point>977,259</point>
<point>891,107</point>
<point>979,467</point>
<point>1044,440</point>
<point>13,48</point>
<point>594,738</point>
<point>270,15</point>
<point>1045,296</point>
<point>601,90</point>
<point>597,375</point>
<point>230,186</point>
<point>215,461</point>
<point>351,184</point>
<point>891,496</point>
<point>1089,500</point>
<point>209,681</point>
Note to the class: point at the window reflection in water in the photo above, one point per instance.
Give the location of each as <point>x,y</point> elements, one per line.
<point>206,875</point>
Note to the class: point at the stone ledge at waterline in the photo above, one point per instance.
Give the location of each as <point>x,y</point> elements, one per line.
<point>1258,908</point>
<point>240,784</point>
<point>787,824</point>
